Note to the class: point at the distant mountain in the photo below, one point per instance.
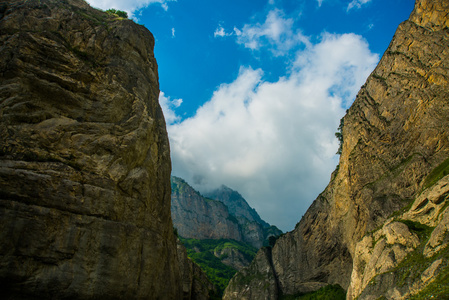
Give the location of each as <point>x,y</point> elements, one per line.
<point>255,231</point>
<point>221,232</point>
<point>223,214</point>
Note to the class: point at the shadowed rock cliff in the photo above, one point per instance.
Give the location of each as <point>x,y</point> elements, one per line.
<point>255,231</point>
<point>200,218</point>
<point>395,149</point>
<point>222,214</point>
<point>84,157</point>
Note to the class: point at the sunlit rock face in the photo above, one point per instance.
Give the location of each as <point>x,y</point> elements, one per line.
<point>362,231</point>
<point>84,157</point>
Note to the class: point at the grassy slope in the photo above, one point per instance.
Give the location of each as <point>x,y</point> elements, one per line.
<point>202,253</point>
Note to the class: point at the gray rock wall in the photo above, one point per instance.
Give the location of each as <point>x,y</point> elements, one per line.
<point>84,157</point>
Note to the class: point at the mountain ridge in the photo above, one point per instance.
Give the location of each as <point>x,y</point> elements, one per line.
<point>222,213</point>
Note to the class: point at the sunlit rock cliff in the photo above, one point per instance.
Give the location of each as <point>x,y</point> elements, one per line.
<point>84,158</point>
<point>380,229</point>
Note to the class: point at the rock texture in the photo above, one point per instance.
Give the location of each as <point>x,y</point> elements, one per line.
<point>408,252</point>
<point>194,282</point>
<point>84,157</point>
<point>222,214</point>
<point>255,231</point>
<point>396,145</point>
<point>259,280</point>
<point>200,218</point>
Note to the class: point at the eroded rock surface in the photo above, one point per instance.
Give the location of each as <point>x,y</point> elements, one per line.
<point>194,282</point>
<point>257,281</point>
<point>84,157</point>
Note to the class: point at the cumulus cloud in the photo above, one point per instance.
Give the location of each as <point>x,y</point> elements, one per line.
<point>356,4</point>
<point>275,33</point>
<point>274,141</point>
<point>220,32</point>
<point>168,107</point>
<point>130,6</point>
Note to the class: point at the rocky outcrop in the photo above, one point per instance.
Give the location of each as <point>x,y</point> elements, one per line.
<point>259,280</point>
<point>194,282</point>
<point>233,257</point>
<point>84,157</point>
<point>395,148</point>
<point>222,214</point>
<point>408,252</point>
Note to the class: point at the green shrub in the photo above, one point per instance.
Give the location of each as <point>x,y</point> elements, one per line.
<point>436,174</point>
<point>329,292</point>
<point>119,13</point>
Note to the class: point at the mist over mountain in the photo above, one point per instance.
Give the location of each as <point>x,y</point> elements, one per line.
<point>219,214</point>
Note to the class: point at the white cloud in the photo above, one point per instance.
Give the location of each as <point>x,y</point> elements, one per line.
<point>274,141</point>
<point>220,32</point>
<point>173,32</point>
<point>276,34</point>
<point>130,6</point>
<point>168,107</point>
<point>356,4</point>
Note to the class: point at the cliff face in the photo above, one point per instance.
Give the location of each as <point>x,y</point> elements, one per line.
<point>84,157</point>
<point>194,282</point>
<point>199,218</point>
<point>395,150</point>
<point>254,230</point>
<point>224,214</point>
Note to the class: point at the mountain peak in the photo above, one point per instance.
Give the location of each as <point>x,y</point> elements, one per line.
<point>222,213</point>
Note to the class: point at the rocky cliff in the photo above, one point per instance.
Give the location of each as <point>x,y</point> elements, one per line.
<point>200,218</point>
<point>255,231</point>
<point>380,227</point>
<point>222,214</point>
<point>84,157</point>
<point>194,282</point>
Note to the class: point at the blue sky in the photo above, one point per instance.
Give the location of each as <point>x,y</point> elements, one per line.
<point>253,91</point>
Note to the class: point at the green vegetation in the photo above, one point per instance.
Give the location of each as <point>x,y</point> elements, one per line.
<point>438,289</point>
<point>119,13</point>
<point>415,263</point>
<point>436,174</point>
<point>423,231</point>
<point>203,252</point>
<point>329,292</point>
<point>232,218</point>
<point>339,135</point>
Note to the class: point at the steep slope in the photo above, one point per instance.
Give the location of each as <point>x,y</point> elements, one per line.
<point>222,214</point>
<point>84,158</point>
<point>200,218</point>
<point>255,231</point>
<point>395,141</point>
<point>221,235</point>
<point>194,282</point>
